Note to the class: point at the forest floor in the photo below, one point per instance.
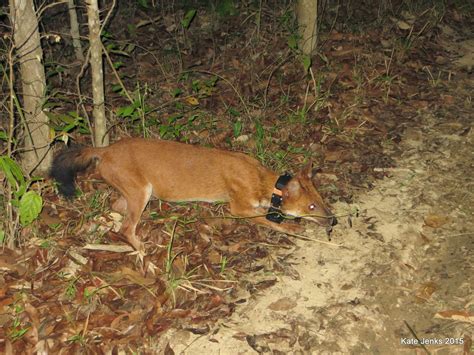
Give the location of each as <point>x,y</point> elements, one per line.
<point>402,273</point>
<point>387,118</point>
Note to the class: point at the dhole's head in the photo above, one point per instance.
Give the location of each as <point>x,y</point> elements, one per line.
<point>300,199</point>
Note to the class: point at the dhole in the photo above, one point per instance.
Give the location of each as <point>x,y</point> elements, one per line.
<point>172,171</point>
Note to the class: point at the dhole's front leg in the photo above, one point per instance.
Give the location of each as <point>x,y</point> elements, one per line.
<point>279,227</point>
<point>244,209</point>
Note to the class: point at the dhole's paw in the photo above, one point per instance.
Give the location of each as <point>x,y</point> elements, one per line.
<point>137,245</point>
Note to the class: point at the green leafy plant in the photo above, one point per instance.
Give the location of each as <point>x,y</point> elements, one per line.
<point>143,3</point>
<point>96,205</point>
<point>386,82</point>
<point>172,128</point>
<point>137,110</point>
<point>177,278</point>
<point>3,135</point>
<point>299,115</point>
<point>71,289</point>
<point>226,8</point>
<point>78,339</point>
<point>26,203</point>
<point>173,281</point>
<point>17,329</point>
<point>176,126</point>
<point>204,88</point>
<point>223,263</point>
<point>66,123</point>
<point>15,178</point>
<point>259,138</point>
<point>293,40</point>
<point>188,18</point>
<point>237,128</point>
<point>176,92</point>
<point>112,47</point>
<point>53,69</point>
<point>307,61</point>
<point>88,294</point>
<point>30,207</point>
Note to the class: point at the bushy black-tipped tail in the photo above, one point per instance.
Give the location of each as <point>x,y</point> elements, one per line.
<point>66,164</point>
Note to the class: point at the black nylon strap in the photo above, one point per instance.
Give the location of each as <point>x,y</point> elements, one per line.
<point>282,181</point>
<point>274,213</point>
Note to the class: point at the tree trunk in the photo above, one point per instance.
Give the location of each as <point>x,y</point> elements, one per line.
<point>75,34</point>
<point>37,156</point>
<point>307,16</point>
<point>101,137</point>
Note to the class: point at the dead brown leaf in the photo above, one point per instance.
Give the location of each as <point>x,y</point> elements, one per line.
<point>283,304</point>
<point>48,218</point>
<point>337,155</point>
<point>420,104</point>
<point>344,53</point>
<point>135,277</point>
<point>436,221</point>
<point>448,99</point>
<point>9,261</point>
<point>214,257</point>
<point>463,316</point>
<point>214,301</point>
<point>425,291</point>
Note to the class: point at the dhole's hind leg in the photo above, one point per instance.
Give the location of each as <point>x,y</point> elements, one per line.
<point>135,195</point>
<point>136,203</point>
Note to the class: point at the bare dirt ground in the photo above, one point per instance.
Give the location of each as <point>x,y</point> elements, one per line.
<point>401,275</point>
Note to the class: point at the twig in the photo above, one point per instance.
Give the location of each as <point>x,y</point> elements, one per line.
<point>303,237</point>
<point>416,337</point>
<point>42,9</point>
<point>79,93</point>
<point>404,170</point>
<point>265,93</point>
<point>109,247</point>
<point>111,64</point>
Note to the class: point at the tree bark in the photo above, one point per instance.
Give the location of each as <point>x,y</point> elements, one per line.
<point>307,16</point>
<point>101,137</point>
<point>37,156</point>
<point>75,34</point>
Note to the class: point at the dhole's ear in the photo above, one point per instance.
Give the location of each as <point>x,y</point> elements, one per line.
<point>309,170</point>
<point>316,170</point>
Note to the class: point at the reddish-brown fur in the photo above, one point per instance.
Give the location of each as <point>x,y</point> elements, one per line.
<point>172,171</point>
